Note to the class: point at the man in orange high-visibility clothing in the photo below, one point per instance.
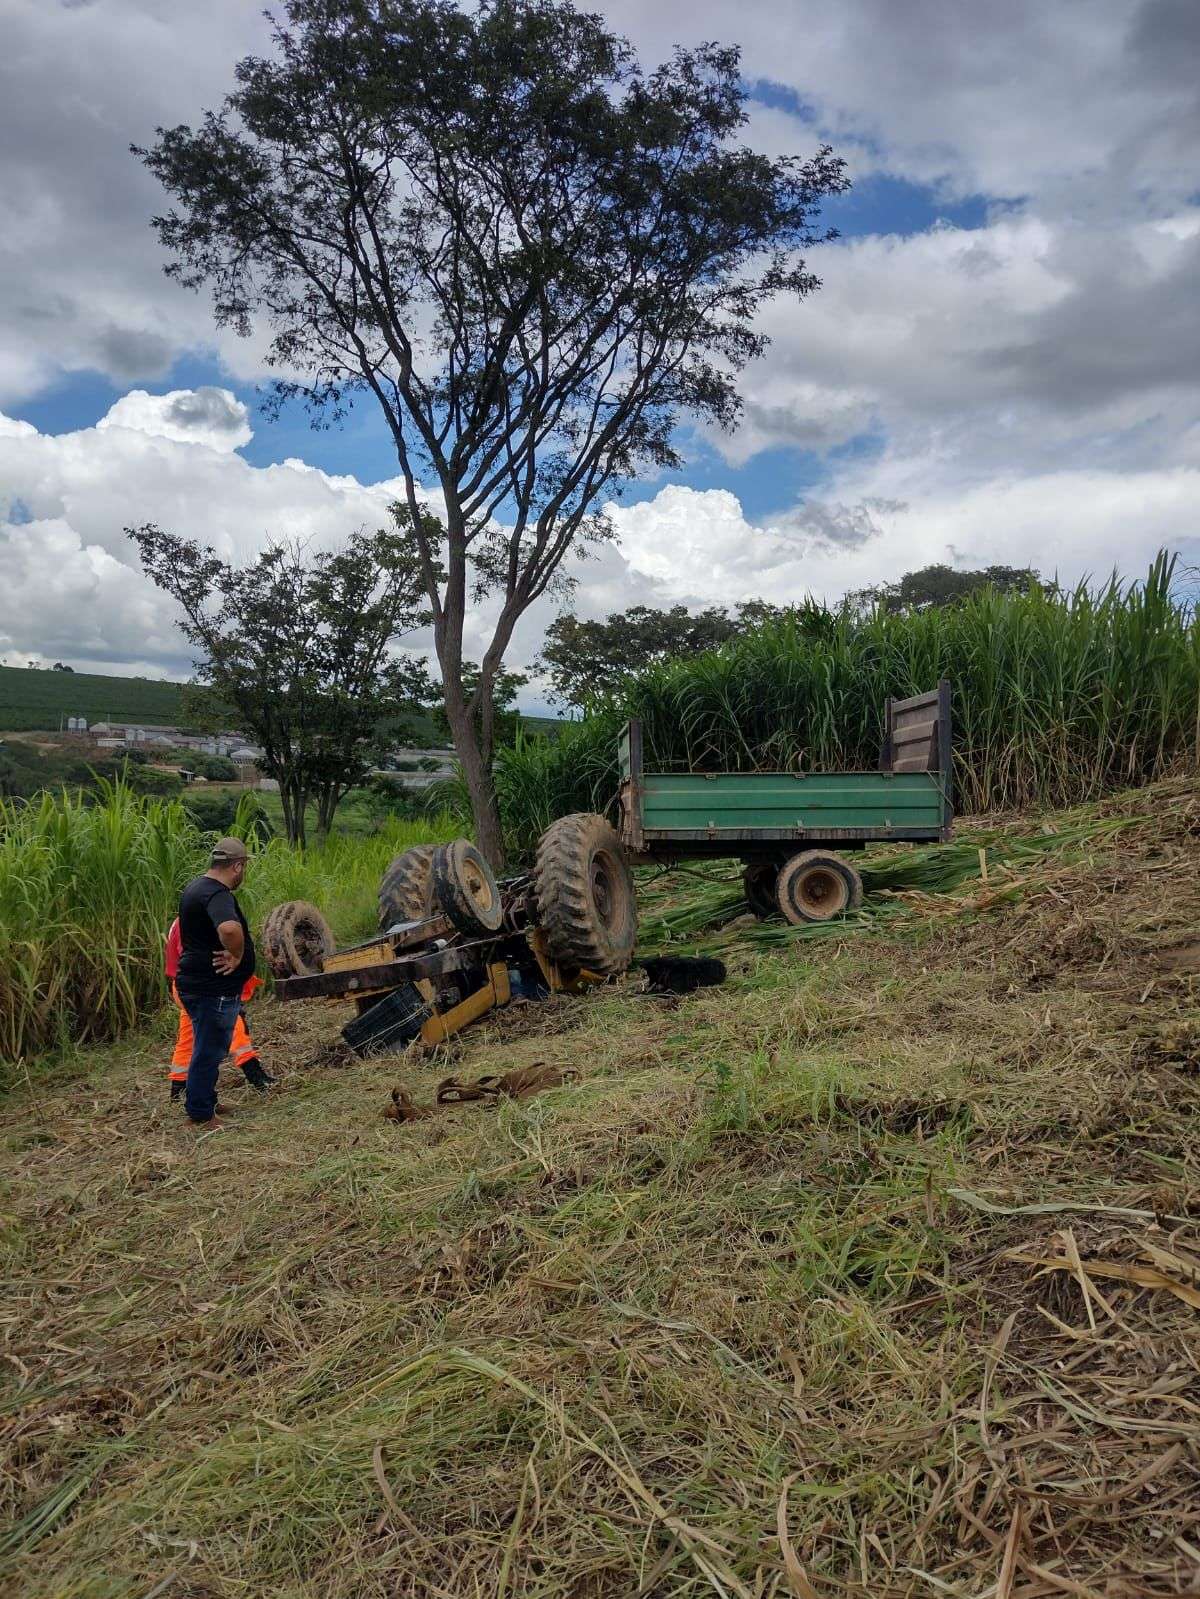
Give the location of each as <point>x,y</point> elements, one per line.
<point>241,1046</point>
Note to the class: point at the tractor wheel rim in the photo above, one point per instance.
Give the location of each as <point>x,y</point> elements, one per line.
<point>477,886</point>
<point>822,890</point>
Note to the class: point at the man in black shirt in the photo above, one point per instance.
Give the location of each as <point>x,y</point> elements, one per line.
<point>218,957</point>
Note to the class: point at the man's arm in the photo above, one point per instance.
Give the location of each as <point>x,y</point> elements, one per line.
<point>228,959</point>
<point>222,909</point>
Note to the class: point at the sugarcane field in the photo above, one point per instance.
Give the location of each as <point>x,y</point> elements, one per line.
<point>599,800</point>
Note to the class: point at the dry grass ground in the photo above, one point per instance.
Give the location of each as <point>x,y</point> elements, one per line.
<point>875,1272</point>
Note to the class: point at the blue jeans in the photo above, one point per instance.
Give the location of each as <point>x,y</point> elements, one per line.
<point>213,1017</point>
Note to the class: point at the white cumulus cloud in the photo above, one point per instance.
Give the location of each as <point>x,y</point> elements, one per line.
<point>210,416</point>
<point>70,583</point>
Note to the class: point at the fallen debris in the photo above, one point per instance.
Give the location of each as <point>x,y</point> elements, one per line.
<point>520,1083</point>
<point>681,974</point>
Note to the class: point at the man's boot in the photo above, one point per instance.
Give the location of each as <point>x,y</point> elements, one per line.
<point>256,1076</point>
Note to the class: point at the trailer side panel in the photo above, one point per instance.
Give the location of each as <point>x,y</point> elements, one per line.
<point>826,805</point>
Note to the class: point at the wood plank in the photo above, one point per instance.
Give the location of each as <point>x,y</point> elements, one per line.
<point>365,979</point>
<point>909,732</point>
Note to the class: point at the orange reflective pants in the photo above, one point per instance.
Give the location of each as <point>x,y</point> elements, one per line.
<point>241,1049</point>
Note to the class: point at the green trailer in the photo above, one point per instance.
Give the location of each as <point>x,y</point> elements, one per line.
<point>792,830</point>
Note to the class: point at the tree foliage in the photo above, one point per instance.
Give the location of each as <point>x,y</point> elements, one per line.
<point>506,719</point>
<point>941,585</point>
<point>584,659</point>
<point>301,646</point>
<point>534,256</point>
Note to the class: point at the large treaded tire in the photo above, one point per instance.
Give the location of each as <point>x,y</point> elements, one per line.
<point>296,939</point>
<point>465,888</point>
<point>406,890</point>
<point>584,894</point>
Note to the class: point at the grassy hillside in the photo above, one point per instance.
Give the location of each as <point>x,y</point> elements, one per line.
<point>869,1275</point>
<point>36,700</point>
<point>41,701</point>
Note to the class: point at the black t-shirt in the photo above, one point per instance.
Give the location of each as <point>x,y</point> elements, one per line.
<point>203,906</point>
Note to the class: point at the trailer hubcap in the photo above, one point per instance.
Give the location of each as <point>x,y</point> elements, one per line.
<point>822,892</point>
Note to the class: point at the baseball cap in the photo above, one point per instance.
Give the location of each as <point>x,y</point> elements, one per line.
<point>228,850</point>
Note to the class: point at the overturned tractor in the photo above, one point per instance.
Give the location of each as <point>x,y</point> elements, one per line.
<point>455,942</point>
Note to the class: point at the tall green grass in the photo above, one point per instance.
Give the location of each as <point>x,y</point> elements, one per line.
<point>87,892</point>
<point>1057,700</point>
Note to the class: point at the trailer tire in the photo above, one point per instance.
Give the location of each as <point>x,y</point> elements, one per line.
<point>815,886</point>
<point>406,890</point>
<point>296,939</point>
<point>855,881</point>
<point>465,888</point>
<point>584,895</point>
<point>758,882</point>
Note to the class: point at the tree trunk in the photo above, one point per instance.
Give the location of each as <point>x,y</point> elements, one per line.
<point>485,812</point>
<point>294,800</point>
<point>328,801</point>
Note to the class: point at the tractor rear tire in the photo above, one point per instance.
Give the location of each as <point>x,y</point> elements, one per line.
<point>465,888</point>
<point>758,884</point>
<point>296,939</point>
<point>406,891</point>
<point>817,886</point>
<point>584,895</point>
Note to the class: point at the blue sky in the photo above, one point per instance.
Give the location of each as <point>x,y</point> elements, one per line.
<point>1003,362</point>
<point>361,446</point>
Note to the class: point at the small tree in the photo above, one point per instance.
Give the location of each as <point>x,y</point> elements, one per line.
<point>587,658</point>
<point>535,258</point>
<point>584,659</point>
<point>299,647</point>
<point>932,586</point>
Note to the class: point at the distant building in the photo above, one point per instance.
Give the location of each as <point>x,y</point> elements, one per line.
<point>418,769</point>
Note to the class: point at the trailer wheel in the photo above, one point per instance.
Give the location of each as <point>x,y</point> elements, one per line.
<point>584,895</point>
<point>758,881</point>
<point>816,886</point>
<point>855,881</point>
<point>465,888</point>
<point>296,939</point>
<point>406,890</point>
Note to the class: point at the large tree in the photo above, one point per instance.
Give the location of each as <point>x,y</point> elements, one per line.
<point>298,647</point>
<point>535,257</point>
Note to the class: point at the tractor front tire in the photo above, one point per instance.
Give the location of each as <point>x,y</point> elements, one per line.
<point>296,939</point>
<point>406,891</point>
<point>465,888</point>
<point>584,895</point>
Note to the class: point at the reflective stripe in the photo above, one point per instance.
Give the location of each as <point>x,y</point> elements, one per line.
<point>241,1045</point>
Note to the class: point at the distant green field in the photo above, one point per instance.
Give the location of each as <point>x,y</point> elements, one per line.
<point>36,701</point>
